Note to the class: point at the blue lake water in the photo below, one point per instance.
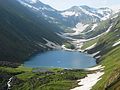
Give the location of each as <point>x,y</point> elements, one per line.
<point>61,59</point>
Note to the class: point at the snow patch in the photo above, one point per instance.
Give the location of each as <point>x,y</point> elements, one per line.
<point>64,48</point>
<point>109,29</point>
<point>88,82</point>
<point>89,13</point>
<point>52,45</point>
<point>9,83</point>
<point>68,13</point>
<point>100,11</point>
<point>94,26</point>
<point>78,29</point>
<point>94,54</point>
<point>105,17</point>
<point>117,43</point>
<point>33,7</point>
<point>90,47</point>
<point>95,68</point>
<point>40,44</point>
<point>98,57</point>
<point>105,12</point>
<point>100,34</point>
<point>28,5</point>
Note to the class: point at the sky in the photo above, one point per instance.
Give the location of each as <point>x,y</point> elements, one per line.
<point>65,4</point>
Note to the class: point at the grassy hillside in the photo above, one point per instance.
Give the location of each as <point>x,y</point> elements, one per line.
<point>39,79</point>
<point>22,32</point>
<point>102,27</point>
<point>110,80</point>
<point>110,58</point>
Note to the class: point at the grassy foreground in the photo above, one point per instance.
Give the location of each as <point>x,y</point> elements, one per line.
<point>39,79</point>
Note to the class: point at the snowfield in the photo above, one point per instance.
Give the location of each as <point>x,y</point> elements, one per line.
<point>78,29</point>
<point>94,26</point>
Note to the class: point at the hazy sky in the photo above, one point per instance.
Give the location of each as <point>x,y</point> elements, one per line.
<point>65,4</point>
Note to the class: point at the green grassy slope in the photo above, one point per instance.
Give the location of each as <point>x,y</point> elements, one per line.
<point>110,80</point>
<point>105,42</point>
<point>89,43</point>
<point>39,79</point>
<point>110,58</point>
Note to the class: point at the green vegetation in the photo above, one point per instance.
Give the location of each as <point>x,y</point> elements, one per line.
<point>69,45</point>
<point>102,27</point>
<point>110,80</point>
<point>110,58</point>
<point>59,85</point>
<point>40,79</point>
<point>89,43</point>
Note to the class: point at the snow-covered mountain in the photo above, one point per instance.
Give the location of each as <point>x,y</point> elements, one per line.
<point>37,5</point>
<point>70,17</point>
<point>43,10</point>
<point>86,14</point>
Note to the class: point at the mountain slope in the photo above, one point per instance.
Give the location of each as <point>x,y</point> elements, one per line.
<point>108,39</point>
<point>45,11</point>
<point>86,15</point>
<point>70,17</point>
<point>106,52</point>
<point>22,33</point>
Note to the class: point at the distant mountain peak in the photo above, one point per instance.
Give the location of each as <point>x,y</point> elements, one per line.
<point>84,9</point>
<point>87,7</point>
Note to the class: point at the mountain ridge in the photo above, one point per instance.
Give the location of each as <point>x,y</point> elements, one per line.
<point>68,17</point>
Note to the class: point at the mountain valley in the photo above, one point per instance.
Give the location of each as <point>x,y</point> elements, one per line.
<point>30,27</point>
